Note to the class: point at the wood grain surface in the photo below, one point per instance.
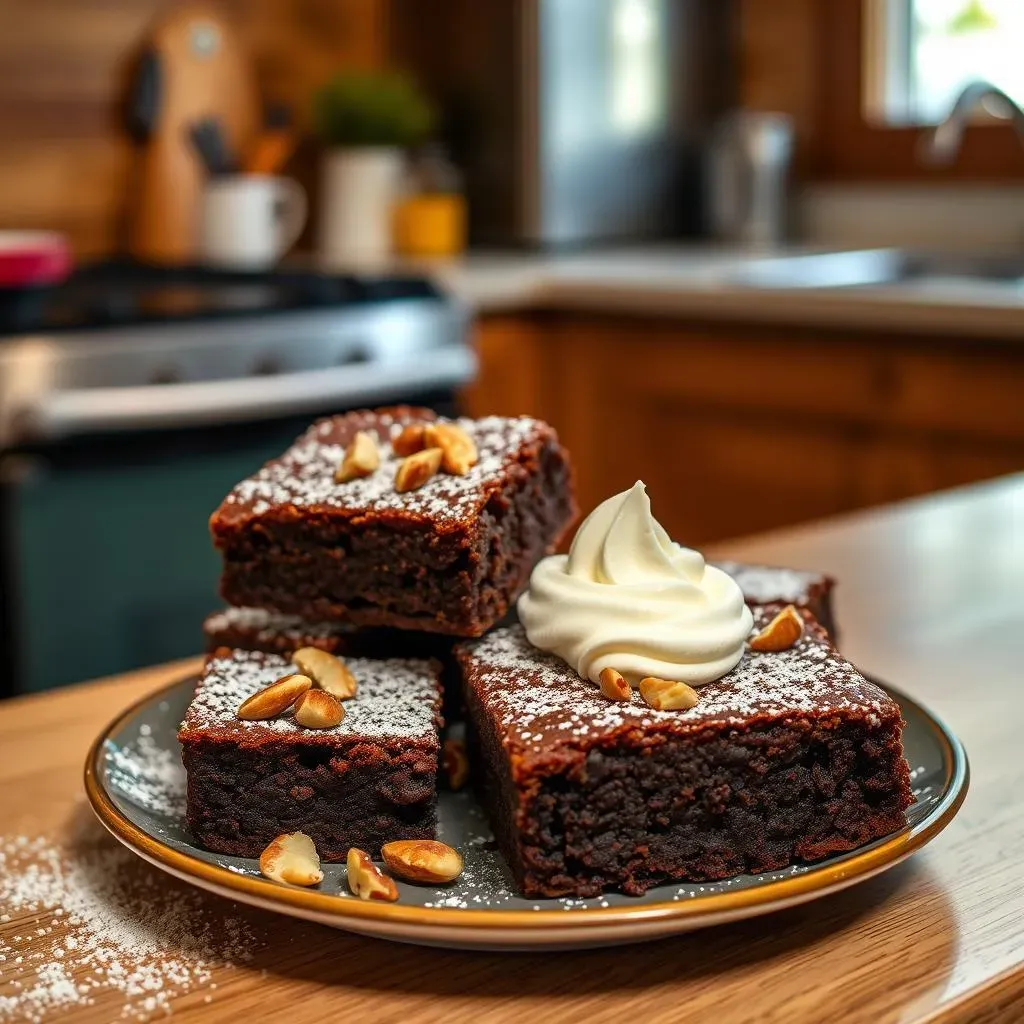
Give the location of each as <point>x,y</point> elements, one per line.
<point>930,598</point>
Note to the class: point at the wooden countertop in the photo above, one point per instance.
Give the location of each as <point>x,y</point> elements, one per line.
<point>931,597</point>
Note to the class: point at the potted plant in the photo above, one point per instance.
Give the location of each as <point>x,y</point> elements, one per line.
<point>367,120</point>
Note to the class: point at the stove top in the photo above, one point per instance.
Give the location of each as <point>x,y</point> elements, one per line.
<point>125,294</point>
<point>120,347</point>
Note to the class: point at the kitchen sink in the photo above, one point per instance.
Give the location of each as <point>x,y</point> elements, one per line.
<point>873,268</point>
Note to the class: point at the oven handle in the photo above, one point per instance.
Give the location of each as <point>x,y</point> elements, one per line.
<point>155,406</point>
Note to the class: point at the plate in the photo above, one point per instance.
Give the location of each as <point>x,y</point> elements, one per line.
<point>136,785</point>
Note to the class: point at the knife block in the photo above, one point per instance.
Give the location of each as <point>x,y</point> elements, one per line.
<point>192,67</point>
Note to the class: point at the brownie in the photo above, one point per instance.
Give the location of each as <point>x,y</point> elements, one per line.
<point>256,629</point>
<point>449,557</point>
<point>777,587</point>
<point>367,781</point>
<point>790,757</point>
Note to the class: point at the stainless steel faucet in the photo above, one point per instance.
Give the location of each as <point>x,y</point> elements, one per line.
<point>941,144</point>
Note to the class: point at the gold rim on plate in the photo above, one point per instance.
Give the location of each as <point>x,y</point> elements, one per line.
<point>782,892</point>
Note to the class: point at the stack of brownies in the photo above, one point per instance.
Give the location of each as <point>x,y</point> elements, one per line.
<point>360,566</point>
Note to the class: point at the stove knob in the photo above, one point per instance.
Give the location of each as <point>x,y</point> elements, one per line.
<point>355,355</point>
<point>268,366</point>
<point>165,375</point>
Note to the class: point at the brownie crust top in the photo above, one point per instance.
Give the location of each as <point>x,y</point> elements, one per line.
<point>541,704</point>
<point>397,698</point>
<point>303,477</point>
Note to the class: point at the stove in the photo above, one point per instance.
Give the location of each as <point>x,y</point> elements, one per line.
<point>133,398</point>
<point>122,347</point>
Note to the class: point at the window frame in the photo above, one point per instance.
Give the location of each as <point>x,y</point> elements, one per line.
<point>855,144</point>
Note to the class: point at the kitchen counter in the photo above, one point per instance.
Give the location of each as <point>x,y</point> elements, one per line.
<point>705,283</point>
<point>929,597</point>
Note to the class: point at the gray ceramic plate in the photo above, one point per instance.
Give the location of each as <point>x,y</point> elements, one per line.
<point>136,785</point>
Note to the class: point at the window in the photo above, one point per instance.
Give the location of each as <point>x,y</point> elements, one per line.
<point>919,54</point>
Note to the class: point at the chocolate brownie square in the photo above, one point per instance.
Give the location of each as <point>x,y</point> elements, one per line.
<point>367,781</point>
<point>776,587</point>
<point>790,757</point>
<point>449,557</point>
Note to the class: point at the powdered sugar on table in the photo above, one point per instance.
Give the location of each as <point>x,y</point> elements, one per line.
<point>83,922</point>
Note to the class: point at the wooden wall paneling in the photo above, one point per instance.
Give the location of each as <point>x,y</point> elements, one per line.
<point>780,66</point>
<point>64,161</point>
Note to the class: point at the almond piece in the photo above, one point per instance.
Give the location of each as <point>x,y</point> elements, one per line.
<point>456,763</point>
<point>414,471</point>
<point>783,632</point>
<point>317,709</point>
<point>614,686</point>
<point>667,695</point>
<point>274,699</point>
<point>292,858</point>
<point>458,448</point>
<point>327,671</point>
<point>423,861</point>
<point>361,458</point>
<point>409,440</point>
<point>366,880</point>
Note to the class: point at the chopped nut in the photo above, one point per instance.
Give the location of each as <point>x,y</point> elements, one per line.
<point>614,686</point>
<point>274,699</point>
<point>409,440</point>
<point>456,763</point>
<point>783,632</point>
<point>458,448</point>
<point>317,709</point>
<point>327,671</point>
<point>361,458</point>
<point>417,469</point>
<point>366,880</point>
<point>667,695</point>
<point>292,858</point>
<point>424,861</point>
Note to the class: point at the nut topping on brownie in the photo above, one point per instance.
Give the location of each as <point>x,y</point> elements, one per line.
<point>781,633</point>
<point>361,458</point>
<point>304,475</point>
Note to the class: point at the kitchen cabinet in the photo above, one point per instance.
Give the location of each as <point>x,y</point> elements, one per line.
<point>738,428</point>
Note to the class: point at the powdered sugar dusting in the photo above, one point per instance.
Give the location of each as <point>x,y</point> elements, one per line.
<point>538,699</point>
<point>269,627</point>
<point>397,698</point>
<point>304,476</point>
<point>765,584</point>
<point>84,921</point>
<point>149,775</point>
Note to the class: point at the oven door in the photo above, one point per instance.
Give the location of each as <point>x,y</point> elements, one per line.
<point>107,562</point>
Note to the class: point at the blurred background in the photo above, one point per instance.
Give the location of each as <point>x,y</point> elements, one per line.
<point>767,255</point>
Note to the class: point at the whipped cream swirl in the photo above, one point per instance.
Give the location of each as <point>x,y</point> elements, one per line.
<point>629,598</point>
